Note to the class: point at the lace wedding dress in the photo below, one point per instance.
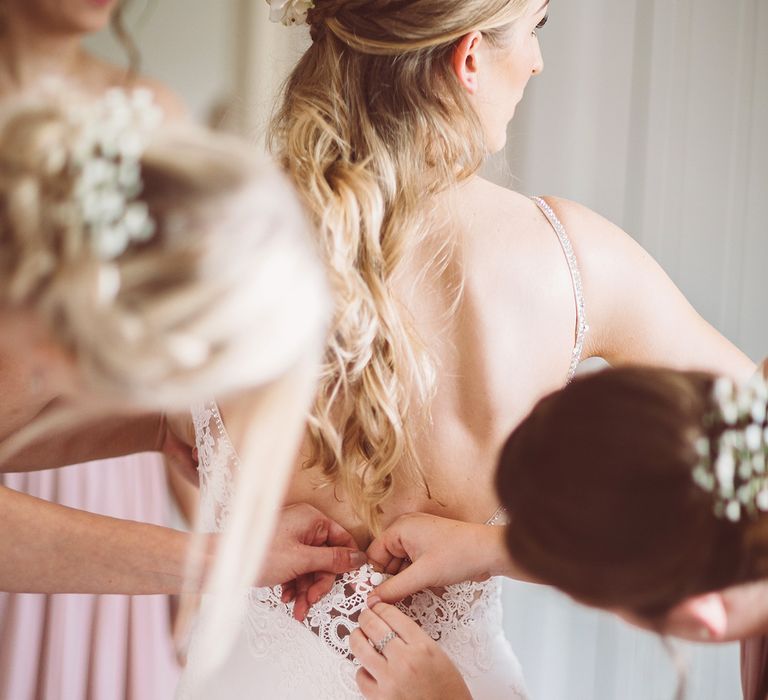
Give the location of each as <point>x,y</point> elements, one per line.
<point>278,658</point>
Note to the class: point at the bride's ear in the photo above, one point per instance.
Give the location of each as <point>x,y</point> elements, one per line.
<point>466,61</point>
<point>701,618</point>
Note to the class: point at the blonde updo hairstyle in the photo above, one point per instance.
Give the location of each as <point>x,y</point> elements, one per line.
<point>373,122</point>
<point>206,306</point>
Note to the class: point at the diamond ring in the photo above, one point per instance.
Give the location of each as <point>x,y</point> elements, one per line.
<point>381,645</point>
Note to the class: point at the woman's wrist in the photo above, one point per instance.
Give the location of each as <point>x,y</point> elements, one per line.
<point>500,562</point>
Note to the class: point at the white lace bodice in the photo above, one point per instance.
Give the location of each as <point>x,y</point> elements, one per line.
<point>312,659</point>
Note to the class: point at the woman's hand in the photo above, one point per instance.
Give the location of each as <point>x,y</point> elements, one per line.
<point>425,551</point>
<point>308,551</point>
<point>400,662</point>
<point>176,441</point>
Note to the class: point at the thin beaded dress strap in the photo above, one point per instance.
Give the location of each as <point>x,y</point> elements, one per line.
<point>582,327</point>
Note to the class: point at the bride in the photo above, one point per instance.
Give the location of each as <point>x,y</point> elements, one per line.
<point>458,305</point>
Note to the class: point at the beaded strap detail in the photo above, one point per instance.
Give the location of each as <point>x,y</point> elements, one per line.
<point>582,327</point>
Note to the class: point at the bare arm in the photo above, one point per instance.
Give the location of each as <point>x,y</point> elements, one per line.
<point>636,313</point>
<point>48,548</point>
<point>101,439</point>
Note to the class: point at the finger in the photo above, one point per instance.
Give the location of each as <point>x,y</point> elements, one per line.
<point>408,631</point>
<point>319,537</point>
<point>382,566</point>
<point>412,579</point>
<point>394,566</point>
<point>376,629</point>
<point>339,537</point>
<point>367,684</point>
<point>321,587</point>
<point>301,604</point>
<point>336,560</point>
<point>384,548</point>
<point>289,592</point>
<point>369,658</point>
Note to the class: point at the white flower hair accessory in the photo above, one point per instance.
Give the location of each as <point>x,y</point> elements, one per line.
<point>733,467</point>
<point>107,160</point>
<point>290,12</point>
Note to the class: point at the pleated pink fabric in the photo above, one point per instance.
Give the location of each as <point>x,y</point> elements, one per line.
<point>89,647</point>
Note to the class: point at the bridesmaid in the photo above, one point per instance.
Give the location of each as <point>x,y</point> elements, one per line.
<point>78,646</point>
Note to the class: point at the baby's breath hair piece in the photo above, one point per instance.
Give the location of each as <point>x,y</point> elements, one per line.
<point>290,12</point>
<point>732,462</point>
<point>106,157</point>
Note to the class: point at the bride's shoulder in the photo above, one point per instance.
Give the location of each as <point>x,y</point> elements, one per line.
<point>507,220</point>
<point>597,241</point>
<point>496,216</point>
<point>494,201</point>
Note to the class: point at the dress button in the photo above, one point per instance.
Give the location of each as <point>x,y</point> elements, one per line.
<point>377,579</point>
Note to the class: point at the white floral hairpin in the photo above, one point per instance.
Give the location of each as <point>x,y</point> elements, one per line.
<point>733,468</point>
<point>107,159</point>
<point>290,12</point>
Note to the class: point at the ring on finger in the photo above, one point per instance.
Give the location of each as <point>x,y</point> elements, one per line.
<point>382,644</point>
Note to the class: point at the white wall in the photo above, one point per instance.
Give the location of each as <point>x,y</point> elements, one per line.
<point>187,44</point>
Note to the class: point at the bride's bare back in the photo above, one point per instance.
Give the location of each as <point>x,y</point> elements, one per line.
<point>512,338</point>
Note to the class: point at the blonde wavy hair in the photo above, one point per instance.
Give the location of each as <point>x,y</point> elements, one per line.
<point>373,122</point>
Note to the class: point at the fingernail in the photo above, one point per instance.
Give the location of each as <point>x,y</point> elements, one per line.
<point>373,601</point>
<point>358,559</point>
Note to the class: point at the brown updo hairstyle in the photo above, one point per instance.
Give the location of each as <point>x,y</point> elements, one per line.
<point>602,502</point>
<point>372,124</point>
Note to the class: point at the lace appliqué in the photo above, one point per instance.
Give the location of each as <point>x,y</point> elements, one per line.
<point>462,618</point>
<point>217,465</point>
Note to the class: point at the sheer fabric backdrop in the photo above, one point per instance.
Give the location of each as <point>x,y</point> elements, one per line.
<point>653,113</point>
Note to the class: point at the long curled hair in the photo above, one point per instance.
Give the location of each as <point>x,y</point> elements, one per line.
<point>373,123</point>
<point>598,482</point>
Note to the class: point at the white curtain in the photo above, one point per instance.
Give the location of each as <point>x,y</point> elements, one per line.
<point>654,113</point>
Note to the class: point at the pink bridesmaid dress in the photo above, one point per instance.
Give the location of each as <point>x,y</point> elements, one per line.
<point>91,647</point>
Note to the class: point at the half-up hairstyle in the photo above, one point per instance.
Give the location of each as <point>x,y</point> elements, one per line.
<point>372,124</point>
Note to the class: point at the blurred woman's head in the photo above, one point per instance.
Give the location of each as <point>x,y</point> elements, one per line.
<point>166,272</point>
<point>392,103</point>
<point>603,482</point>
